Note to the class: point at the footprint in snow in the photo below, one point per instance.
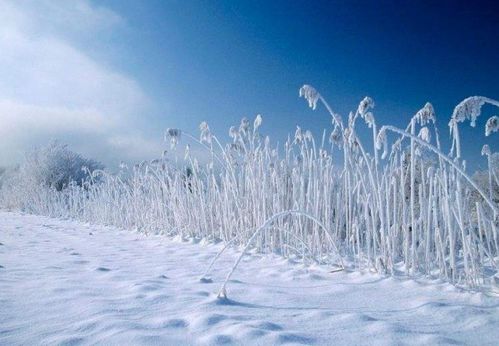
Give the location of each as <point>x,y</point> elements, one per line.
<point>291,338</point>
<point>53,267</point>
<point>317,277</point>
<point>268,326</point>
<point>213,319</point>
<point>103,269</point>
<point>202,293</point>
<point>145,287</point>
<point>222,339</point>
<point>176,323</point>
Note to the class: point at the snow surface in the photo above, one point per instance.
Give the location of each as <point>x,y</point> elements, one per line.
<point>64,282</point>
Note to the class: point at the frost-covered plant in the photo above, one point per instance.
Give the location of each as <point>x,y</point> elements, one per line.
<point>50,168</point>
<point>492,125</point>
<point>205,136</point>
<point>409,207</point>
<point>426,114</point>
<point>311,95</point>
<point>173,135</point>
<point>470,108</point>
<point>55,166</point>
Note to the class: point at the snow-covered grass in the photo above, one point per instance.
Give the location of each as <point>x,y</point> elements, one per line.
<point>66,282</point>
<point>398,200</point>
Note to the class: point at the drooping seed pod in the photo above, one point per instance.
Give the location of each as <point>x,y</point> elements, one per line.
<point>310,94</point>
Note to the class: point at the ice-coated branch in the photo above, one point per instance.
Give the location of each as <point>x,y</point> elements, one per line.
<point>446,159</point>
<point>222,294</point>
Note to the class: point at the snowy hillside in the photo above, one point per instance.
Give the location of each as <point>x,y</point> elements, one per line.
<point>64,282</point>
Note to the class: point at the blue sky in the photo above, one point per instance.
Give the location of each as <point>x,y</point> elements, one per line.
<point>109,76</point>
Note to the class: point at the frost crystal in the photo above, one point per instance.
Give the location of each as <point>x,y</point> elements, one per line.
<point>486,150</point>
<point>492,125</point>
<point>173,135</point>
<point>364,105</point>
<point>381,138</point>
<point>233,133</point>
<point>426,114</point>
<point>397,146</point>
<point>381,141</point>
<point>311,95</point>
<point>204,126</point>
<point>424,134</point>
<point>244,126</point>
<point>469,108</point>
<point>336,119</point>
<point>298,135</point>
<point>205,136</point>
<point>369,119</point>
<point>236,147</point>
<point>308,135</point>
<point>335,136</point>
<point>257,123</point>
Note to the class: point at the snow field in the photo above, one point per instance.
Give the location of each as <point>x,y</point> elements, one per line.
<point>65,282</point>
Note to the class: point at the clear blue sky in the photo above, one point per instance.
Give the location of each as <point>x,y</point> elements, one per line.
<point>221,60</point>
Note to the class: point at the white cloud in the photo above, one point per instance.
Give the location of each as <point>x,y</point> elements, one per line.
<point>50,88</point>
<point>57,17</point>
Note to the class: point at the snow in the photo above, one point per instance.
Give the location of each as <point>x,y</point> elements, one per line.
<point>65,282</point>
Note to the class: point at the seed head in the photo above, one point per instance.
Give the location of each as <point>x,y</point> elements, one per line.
<point>492,125</point>
<point>469,108</point>
<point>426,114</point>
<point>366,104</point>
<point>486,150</point>
<point>244,126</point>
<point>205,136</point>
<point>257,122</point>
<point>424,134</point>
<point>310,94</point>
<point>173,135</point>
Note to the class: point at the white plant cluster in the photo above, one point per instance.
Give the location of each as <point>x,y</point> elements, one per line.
<point>413,208</point>
<point>44,171</point>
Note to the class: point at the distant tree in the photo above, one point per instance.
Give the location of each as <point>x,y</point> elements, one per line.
<point>55,166</point>
<point>2,175</point>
